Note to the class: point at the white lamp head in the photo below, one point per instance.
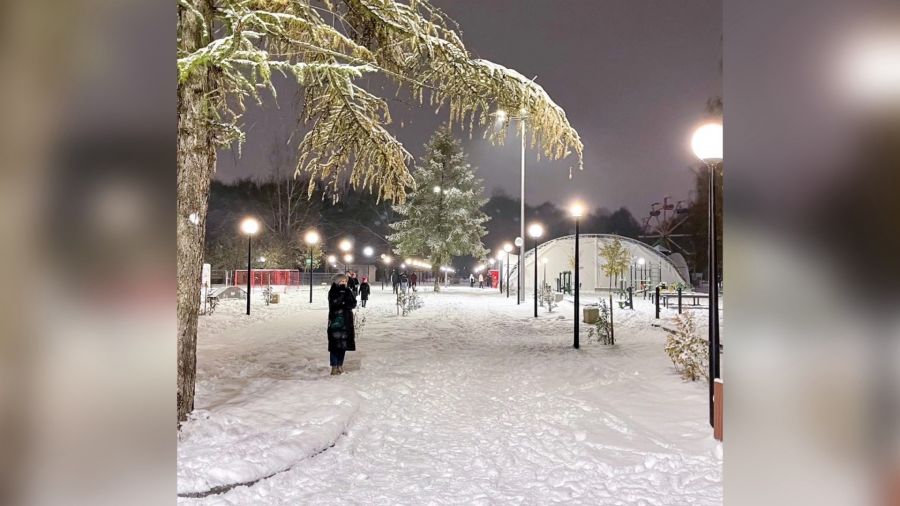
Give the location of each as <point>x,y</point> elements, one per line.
<point>249,226</point>
<point>707,142</point>
<point>368,251</point>
<point>576,209</point>
<point>345,245</point>
<point>519,242</point>
<point>311,237</point>
<point>535,230</point>
<point>507,247</point>
<point>641,261</point>
<point>332,259</point>
<point>348,258</point>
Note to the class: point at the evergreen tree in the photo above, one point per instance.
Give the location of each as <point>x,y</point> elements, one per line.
<point>442,217</point>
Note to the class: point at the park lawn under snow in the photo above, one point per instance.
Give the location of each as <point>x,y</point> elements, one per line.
<point>469,400</point>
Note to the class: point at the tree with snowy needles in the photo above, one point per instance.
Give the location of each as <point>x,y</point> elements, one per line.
<point>227,51</point>
<point>442,217</point>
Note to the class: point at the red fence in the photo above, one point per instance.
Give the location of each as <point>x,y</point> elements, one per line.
<point>290,277</point>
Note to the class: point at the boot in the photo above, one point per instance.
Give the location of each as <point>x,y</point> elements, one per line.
<point>340,369</point>
<point>334,371</point>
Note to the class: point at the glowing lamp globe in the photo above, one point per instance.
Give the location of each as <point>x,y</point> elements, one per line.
<point>535,230</point>
<point>311,237</point>
<point>345,245</point>
<point>707,142</point>
<point>577,210</point>
<point>507,247</point>
<point>249,226</point>
<point>368,251</point>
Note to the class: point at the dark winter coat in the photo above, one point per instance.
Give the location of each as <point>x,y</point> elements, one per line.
<point>413,278</point>
<point>364,289</point>
<point>341,333</point>
<point>395,278</point>
<point>353,284</point>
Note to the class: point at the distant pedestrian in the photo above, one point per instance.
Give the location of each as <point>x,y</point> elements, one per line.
<point>395,280</point>
<point>364,290</point>
<point>413,280</point>
<point>353,283</point>
<point>481,281</point>
<point>404,281</point>
<point>471,280</point>
<point>341,333</point>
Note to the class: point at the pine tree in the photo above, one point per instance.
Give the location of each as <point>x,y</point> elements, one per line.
<point>442,217</point>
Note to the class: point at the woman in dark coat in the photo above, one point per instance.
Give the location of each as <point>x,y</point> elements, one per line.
<point>341,333</point>
<point>364,290</point>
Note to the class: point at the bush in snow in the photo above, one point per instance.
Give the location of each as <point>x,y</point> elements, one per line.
<point>547,298</point>
<point>688,351</point>
<point>359,322</point>
<point>602,328</point>
<point>409,302</point>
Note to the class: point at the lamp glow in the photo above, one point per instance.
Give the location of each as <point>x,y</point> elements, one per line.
<point>348,258</point>
<point>707,142</point>
<point>332,259</point>
<point>577,210</point>
<point>368,251</point>
<point>311,237</point>
<point>345,245</point>
<point>507,247</point>
<point>249,226</point>
<point>535,230</point>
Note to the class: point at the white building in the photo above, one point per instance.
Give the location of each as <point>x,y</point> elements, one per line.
<point>648,264</point>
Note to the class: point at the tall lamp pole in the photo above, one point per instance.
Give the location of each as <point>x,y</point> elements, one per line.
<point>707,144</point>
<point>507,248</point>
<point>311,238</point>
<point>535,230</point>
<point>249,226</point>
<point>520,277</point>
<point>577,211</point>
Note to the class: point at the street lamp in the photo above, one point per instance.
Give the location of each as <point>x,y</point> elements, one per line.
<point>502,116</point>
<point>368,251</point>
<point>641,263</point>
<point>345,245</point>
<point>577,210</point>
<point>311,239</point>
<point>507,248</point>
<point>348,259</point>
<point>520,277</point>
<point>707,144</point>
<point>535,230</point>
<point>249,226</point>
<point>387,262</point>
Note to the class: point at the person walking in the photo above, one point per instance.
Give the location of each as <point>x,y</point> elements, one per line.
<point>395,280</point>
<point>364,290</point>
<point>353,283</point>
<point>480,280</point>
<point>471,280</point>
<point>404,281</point>
<point>413,279</point>
<point>341,333</point>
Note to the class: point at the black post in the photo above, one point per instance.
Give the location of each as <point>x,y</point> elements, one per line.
<point>657,302</point>
<point>310,275</point>
<point>713,293</point>
<point>249,239</point>
<point>520,277</point>
<point>535,275</point>
<point>507,276</point>
<point>679,300</point>
<point>612,335</point>
<point>576,284</point>
<point>630,297</point>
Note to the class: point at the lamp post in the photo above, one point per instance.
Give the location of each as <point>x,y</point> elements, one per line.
<point>641,263</point>
<point>577,211</point>
<point>311,239</point>
<point>504,117</point>
<point>707,144</point>
<point>500,270</point>
<point>520,277</point>
<point>387,262</point>
<point>249,226</point>
<point>507,248</point>
<point>544,263</point>
<point>535,230</point>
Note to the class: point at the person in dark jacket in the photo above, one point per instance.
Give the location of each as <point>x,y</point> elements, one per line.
<point>364,290</point>
<point>353,283</point>
<point>341,333</point>
<point>413,279</point>
<point>395,280</point>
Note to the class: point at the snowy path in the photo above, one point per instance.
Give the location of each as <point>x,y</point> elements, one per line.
<point>469,400</point>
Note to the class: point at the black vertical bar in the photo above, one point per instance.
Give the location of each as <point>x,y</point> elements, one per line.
<point>631,297</point>
<point>310,275</point>
<point>576,284</point>
<point>657,302</point>
<point>679,300</point>
<point>713,294</point>
<point>535,275</point>
<point>249,238</point>
<point>612,334</point>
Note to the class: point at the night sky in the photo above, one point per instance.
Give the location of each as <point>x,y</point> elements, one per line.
<point>633,77</point>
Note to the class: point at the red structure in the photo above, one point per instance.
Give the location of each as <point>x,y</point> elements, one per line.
<point>264,277</point>
<point>493,278</point>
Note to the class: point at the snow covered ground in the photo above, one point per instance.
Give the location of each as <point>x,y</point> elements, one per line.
<point>469,400</point>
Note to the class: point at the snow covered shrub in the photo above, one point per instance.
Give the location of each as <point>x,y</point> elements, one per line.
<point>688,350</point>
<point>409,302</point>
<point>602,328</point>
<point>359,322</point>
<point>547,298</point>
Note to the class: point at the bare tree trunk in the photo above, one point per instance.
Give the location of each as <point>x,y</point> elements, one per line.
<point>435,271</point>
<point>196,160</point>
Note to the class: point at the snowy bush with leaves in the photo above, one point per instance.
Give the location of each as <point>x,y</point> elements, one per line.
<point>547,298</point>
<point>408,302</point>
<point>359,322</point>
<point>688,351</point>
<point>602,328</point>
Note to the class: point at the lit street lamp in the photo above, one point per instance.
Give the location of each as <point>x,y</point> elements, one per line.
<point>707,144</point>
<point>348,259</point>
<point>535,230</point>
<point>249,226</point>
<point>577,211</point>
<point>311,239</point>
<point>345,245</point>
<point>368,251</point>
<point>503,117</point>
